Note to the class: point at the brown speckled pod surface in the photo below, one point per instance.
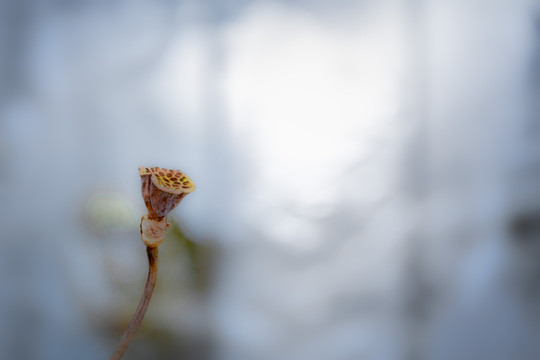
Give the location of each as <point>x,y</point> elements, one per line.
<point>163,189</point>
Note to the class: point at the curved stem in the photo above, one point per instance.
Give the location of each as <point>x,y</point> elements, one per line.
<point>143,304</point>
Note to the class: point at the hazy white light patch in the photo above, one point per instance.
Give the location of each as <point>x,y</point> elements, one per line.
<point>179,84</point>
<point>282,225</point>
<point>307,101</point>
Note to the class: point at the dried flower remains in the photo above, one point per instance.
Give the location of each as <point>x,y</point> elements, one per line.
<point>162,191</point>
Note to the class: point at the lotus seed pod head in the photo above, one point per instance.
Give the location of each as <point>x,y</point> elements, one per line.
<point>163,189</point>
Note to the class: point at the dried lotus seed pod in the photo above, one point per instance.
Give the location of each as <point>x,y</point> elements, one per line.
<point>162,191</point>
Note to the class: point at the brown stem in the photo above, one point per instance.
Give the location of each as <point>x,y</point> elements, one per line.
<point>143,304</point>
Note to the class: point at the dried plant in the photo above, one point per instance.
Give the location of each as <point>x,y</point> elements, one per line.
<point>162,191</point>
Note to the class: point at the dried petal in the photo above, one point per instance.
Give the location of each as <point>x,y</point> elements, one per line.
<point>153,231</point>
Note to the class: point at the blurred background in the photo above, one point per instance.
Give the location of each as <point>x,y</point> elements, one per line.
<point>368,178</point>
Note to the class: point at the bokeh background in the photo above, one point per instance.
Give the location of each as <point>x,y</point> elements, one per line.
<point>367,178</point>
